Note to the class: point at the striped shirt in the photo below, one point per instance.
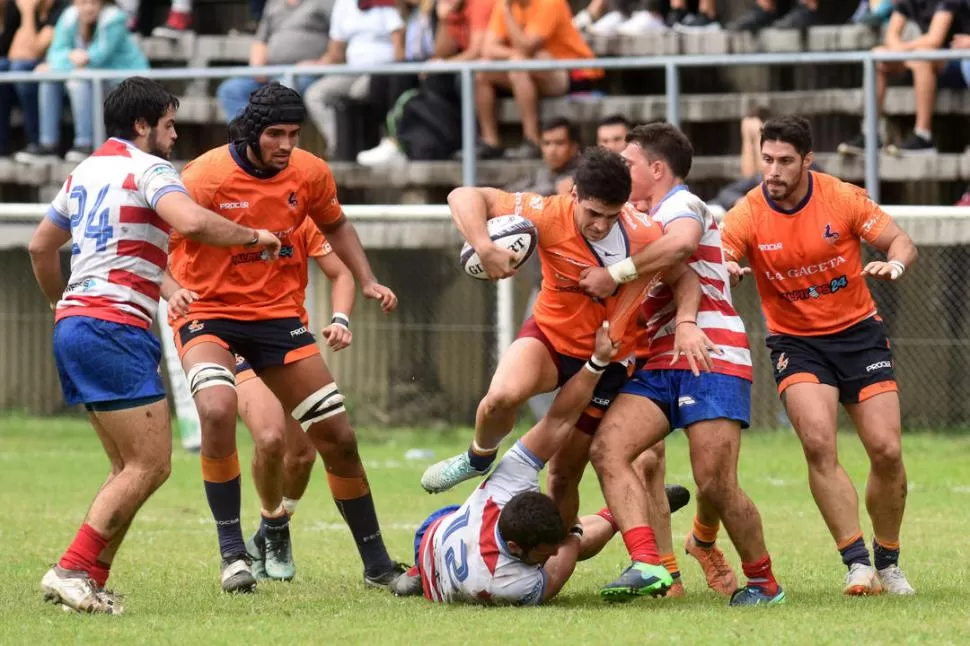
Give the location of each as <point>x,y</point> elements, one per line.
<point>716,314</point>
<point>119,245</point>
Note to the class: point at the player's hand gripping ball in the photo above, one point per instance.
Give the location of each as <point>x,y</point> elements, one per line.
<point>514,239</point>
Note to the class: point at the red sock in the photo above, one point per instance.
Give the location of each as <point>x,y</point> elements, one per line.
<point>759,574</point>
<point>605,514</point>
<point>84,550</point>
<point>641,545</point>
<point>99,573</point>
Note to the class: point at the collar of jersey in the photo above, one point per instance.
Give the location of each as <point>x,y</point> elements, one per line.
<point>676,189</point>
<point>798,207</point>
<point>237,150</point>
<point>502,547</point>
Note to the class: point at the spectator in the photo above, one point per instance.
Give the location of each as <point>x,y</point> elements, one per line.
<point>611,133</point>
<point>522,30</point>
<point>88,35</point>
<point>765,14</point>
<point>938,21</point>
<point>705,19</point>
<point>465,24</point>
<point>362,32</point>
<point>179,20</point>
<point>28,28</point>
<point>560,152</point>
<point>290,32</point>
<point>872,13</point>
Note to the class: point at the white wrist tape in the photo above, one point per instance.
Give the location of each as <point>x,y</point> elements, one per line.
<point>624,271</point>
<point>341,319</point>
<point>898,269</point>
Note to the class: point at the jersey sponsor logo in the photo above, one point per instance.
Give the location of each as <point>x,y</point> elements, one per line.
<point>286,251</point>
<point>298,331</point>
<point>879,365</point>
<point>196,327</point>
<point>817,291</point>
<point>782,363</point>
<point>292,201</point>
<point>536,203</point>
<point>770,246</point>
<point>806,270</point>
<point>228,206</point>
<point>871,222</point>
<point>829,235</point>
<point>85,285</point>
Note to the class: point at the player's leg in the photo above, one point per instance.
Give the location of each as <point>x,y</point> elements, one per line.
<point>701,544</point>
<point>210,370</point>
<point>566,471</point>
<point>527,368</point>
<point>632,424</point>
<point>102,567</point>
<point>270,545</point>
<point>298,464</point>
<point>650,466</point>
<point>307,390</point>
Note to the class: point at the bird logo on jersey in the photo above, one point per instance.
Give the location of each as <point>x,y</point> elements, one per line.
<point>782,364</point>
<point>829,235</point>
<point>291,200</point>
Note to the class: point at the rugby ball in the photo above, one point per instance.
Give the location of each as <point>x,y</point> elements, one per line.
<point>513,232</point>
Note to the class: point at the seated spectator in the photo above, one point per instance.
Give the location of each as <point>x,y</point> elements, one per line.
<point>88,35</point>
<point>24,40</point>
<point>938,21</point>
<point>560,152</point>
<point>611,133</point>
<point>704,19</point>
<point>522,30</point>
<point>179,20</point>
<point>362,32</point>
<point>465,24</point>
<point>872,13</point>
<point>765,14</point>
<point>290,32</point>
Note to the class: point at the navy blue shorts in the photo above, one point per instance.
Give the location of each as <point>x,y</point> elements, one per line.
<point>106,365</point>
<point>687,399</point>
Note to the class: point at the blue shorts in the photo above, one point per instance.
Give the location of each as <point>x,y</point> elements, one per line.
<point>686,399</point>
<point>106,365</point>
<point>418,535</point>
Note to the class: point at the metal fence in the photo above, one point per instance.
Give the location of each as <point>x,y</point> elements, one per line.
<point>430,362</point>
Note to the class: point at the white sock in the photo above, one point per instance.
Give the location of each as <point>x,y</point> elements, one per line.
<point>182,6</point>
<point>289,504</point>
<point>926,135</point>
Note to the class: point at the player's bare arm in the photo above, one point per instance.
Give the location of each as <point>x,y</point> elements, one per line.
<point>471,207</point>
<point>560,566</point>
<point>202,225</point>
<point>690,341</point>
<point>679,241</point>
<point>177,297</point>
<point>345,241</point>
<point>342,295</point>
<point>900,254</point>
<point>45,258</point>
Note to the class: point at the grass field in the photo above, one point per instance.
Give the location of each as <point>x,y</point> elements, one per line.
<point>168,568</point>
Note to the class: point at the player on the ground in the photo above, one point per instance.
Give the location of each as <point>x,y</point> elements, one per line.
<point>117,208</point>
<point>800,231</point>
<point>283,456</point>
<point>508,543</point>
<point>669,392</point>
<point>248,307</point>
<point>593,226</point>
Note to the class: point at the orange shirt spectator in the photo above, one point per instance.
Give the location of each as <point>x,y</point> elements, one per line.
<point>466,21</point>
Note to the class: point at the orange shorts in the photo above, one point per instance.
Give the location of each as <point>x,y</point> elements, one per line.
<point>262,344</point>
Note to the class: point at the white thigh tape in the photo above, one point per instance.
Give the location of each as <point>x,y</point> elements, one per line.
<point>322,404</point>
<point>207,375</point>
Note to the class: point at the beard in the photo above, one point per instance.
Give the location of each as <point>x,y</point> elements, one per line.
<point>155,148</point>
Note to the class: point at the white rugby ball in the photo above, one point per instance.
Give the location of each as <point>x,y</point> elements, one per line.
<point>511,232</point>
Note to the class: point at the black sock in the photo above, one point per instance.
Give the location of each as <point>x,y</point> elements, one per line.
<point>274,527</point>
<point>361,517</point>
<point>481,462</point>
<point>225,501</point>
<point>855,552</point>
<point>884,556</point>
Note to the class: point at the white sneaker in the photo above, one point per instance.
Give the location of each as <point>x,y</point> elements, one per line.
<point>76,591</point>
<point>236,575</point>
<point>386,152</point>
<point>894,581</point>
<point>861,580</point>
<point>607,25</point>
<point>642,22</point>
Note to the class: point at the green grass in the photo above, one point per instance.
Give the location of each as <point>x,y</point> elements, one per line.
<point>168,568</point>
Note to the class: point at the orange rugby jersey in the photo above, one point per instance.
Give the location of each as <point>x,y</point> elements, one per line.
<point>565,314</point>
<point>807,262</point>
<point>237,282</point>
<point>308,243</point>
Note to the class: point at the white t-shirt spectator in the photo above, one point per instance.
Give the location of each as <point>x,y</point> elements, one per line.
<point>367,33</point>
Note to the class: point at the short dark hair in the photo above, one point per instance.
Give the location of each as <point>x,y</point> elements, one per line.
<point>667,142</point>
<point>235,129</point>
<point>614,120</point>
<point>134,99</point>
<point>793,130</point>
<point>531,519</point>
<point>572,130</point>
<point>602,175</point>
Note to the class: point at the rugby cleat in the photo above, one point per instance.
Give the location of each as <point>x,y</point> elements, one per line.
<point>75,591</point>
<point>443,475</point>
<point>861,581</point>
<point>894,581</point>
<point>718,572</point>
<point>638,580</point>
<point>256,547</point>
<point>386,578</point>
<point>408,584</point>
<point>677,497</point>
<point>236,575</point>
<point>752,595</point>
<point>278,553</point>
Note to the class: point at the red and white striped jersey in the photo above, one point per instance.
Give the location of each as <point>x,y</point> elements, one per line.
<point>119,247</point>
<point>716,314</point>
<point>463,557</point>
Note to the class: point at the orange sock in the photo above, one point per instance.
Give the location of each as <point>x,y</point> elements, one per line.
<point>705,535</point>
<point>669,561</point>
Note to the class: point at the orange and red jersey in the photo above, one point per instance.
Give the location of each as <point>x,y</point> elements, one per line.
<point>808,261</point>
<point>238,282</point>
<point>308,243</point>
<point>566,315</point>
